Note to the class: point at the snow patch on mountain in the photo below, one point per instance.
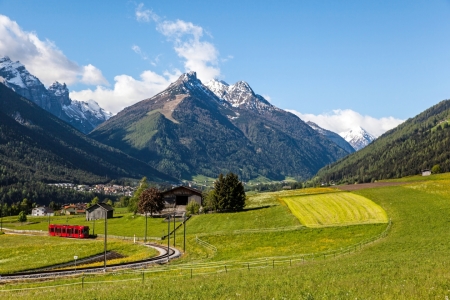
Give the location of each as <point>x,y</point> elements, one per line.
<point>358,137</point>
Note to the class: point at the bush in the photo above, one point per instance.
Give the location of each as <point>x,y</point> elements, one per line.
<point>192,208</point>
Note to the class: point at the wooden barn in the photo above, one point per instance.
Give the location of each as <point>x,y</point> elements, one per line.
<point>180,197</point>
<point>98,211</point>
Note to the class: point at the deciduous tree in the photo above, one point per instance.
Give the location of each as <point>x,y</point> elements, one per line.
<point>150,201</point>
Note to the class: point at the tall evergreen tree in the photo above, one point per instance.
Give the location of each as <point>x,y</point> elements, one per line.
<point>228,194</point>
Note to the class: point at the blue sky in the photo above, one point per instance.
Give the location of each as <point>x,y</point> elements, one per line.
<point>338,63</point>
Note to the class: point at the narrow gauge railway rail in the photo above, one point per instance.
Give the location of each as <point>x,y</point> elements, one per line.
<point>160,259</point>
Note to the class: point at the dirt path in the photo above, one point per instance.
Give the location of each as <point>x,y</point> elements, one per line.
<point>361,186</point>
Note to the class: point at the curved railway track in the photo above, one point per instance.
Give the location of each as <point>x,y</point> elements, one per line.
<point>163,257</point>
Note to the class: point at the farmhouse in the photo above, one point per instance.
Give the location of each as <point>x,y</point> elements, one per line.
<point>42,211</point>
<point>177,198</point>
<point>98,211</point>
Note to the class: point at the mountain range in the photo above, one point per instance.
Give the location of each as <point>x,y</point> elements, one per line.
<point>84,116</point>
<point>194,129</point>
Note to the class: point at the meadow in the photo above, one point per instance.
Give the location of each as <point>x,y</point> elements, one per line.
<point>411,262</point>
<point>335,209</point>
<point>20,252</point>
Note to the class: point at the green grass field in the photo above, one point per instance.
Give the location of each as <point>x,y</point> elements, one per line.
<point>335,209</point>
<point>20,252</point>
<point>410,263</point>
<point>125,224</point>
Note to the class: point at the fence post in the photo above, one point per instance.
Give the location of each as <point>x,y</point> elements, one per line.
<point>248,266</point>
<point>273,264</point>
<point>191,273</point>
<point>82,282</point>
<point>142,276</point>
<point>226,271</point>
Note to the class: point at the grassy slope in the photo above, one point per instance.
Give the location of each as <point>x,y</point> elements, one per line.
<point>18,252</point>
<point>121,225</point>
<point>335,209</point>
<point>410,263</point>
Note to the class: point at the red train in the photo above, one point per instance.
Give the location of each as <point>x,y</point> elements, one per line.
<point>71,231</point>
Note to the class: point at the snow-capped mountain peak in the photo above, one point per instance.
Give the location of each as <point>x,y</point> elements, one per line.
<point>239,95</point>
<point>84,116</point>
<point>358,137</point>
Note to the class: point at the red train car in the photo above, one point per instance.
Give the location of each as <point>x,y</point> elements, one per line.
<point>71,231</point>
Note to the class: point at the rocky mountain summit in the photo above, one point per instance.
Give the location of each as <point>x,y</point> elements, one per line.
<point>239,95</point>
<point>194,129</point>
<point>358,137</point>
<point>336,138</point>
<point>84,116</point>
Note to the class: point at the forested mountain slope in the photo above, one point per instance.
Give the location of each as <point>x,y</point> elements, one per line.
<point>418,143</point>
<point>37,146</point>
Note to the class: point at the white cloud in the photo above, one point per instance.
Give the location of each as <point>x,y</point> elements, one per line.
<point>341,120</point>
<point>145,15</point>
<point>138,51</point>
<point>127,90</point>
<point>92,75</point>
<point>42,58</point>
<point>199,56</point>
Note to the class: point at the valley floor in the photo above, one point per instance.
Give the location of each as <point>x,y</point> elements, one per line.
<point>411,262</point>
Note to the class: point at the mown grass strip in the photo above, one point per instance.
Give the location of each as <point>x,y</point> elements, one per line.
<point>335,209</point>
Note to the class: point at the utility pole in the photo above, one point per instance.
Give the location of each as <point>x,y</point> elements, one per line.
<point>184,222</point>
<point>145,239</point>
<point>106,232</point>
<point>174,228</point>
<point>168,235</point>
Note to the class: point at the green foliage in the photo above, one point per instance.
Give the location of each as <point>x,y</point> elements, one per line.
<point>150,201</point>
<point>436,169</point>
<point>193,208</point>
<point>228,194</point>
<point>133,202</point>
<point>403,151</point>
<point>22,217</point>
<point>95,201</point>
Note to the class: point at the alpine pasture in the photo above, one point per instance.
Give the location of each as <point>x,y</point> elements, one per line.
<point>410,262</point>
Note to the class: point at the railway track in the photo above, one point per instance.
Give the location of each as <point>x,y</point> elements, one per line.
<point>163,257</point>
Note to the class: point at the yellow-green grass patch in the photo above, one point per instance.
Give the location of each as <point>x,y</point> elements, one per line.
<point>335,209</point>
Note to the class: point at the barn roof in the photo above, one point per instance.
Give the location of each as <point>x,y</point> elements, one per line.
<point>194,191</point>
<point>102,206</point>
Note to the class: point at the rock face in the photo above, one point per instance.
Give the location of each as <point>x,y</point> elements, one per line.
<point>194,129</point>
<point>358,138</point>
<point>334,137</point>
<point>84,116</point>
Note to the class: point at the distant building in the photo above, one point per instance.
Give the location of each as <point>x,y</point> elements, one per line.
<point>74,209</point>
<point>42,211</point>
<point>426,172</point>
<point>98,211</point>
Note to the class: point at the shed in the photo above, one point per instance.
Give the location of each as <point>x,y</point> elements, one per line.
<point>98,211</point>
<point>181,196</point>
<point>426,172</point>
